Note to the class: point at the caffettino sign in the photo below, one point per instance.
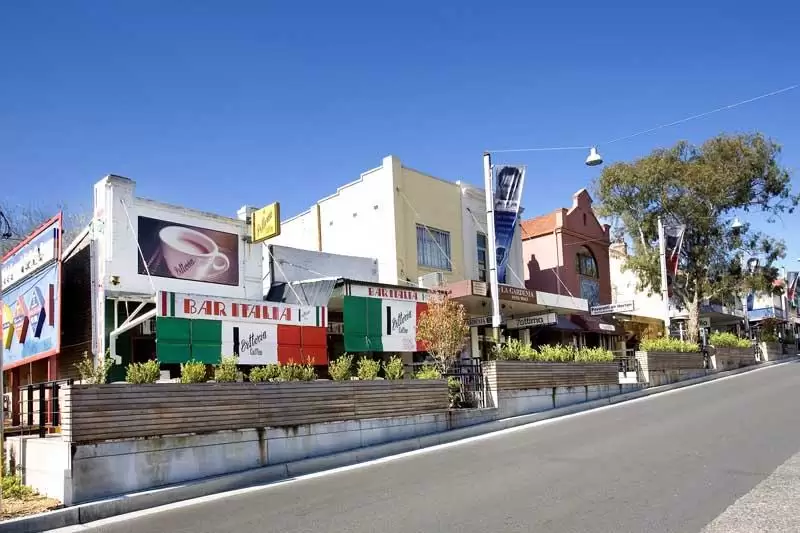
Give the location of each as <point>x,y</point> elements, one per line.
<point>266,223</point>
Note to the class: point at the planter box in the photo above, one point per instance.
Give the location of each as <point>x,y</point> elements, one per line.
<point>521,375</point>
<point>660,368</point>
<point>725,358</point>
<point>772,351</point>
<point>120,411</point>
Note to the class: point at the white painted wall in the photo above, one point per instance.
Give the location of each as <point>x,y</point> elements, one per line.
<point>358,220</point>
<point>473,217</point>
<point>292,264</point>
<point>623,289</point>
<point>118,251</point>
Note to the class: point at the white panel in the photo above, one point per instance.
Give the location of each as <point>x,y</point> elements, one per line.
<point>294,264</point>
<point>400,334</point>
<point>258,344</point>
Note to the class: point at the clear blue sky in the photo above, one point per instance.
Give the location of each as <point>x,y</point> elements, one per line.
<point>216,104</point>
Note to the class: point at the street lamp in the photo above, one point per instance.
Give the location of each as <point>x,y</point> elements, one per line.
<point>594,159</point>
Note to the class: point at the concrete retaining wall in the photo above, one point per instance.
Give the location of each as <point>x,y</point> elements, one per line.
<point>773,351</point>
<point>523,402</point>
<point>725,358</point>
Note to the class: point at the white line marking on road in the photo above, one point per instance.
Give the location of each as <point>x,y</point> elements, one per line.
<point>277,484</point>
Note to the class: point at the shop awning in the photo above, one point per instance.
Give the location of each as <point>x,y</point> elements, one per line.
<point>516,301</point>
<point>597,325</point>
<point>309,292</point>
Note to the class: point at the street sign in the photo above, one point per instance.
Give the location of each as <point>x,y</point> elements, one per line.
<point>619,307</point>
<point>532,321</point>
<point>704,322</point>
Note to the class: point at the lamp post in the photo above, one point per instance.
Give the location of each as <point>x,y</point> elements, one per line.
<point>594,159</point>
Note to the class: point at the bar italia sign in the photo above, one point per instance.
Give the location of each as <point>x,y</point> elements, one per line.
<point>532,321</point>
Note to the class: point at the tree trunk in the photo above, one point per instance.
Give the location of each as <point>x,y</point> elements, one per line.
<point>694,319</point>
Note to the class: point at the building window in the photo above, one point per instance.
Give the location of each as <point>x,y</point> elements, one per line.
<point>586,264</point>
<point>433,248</point>
<point>483,265</point>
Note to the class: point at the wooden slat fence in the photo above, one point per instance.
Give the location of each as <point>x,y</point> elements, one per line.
<point>665,361</point>
<point>520,375</point>
<point>119,411</point>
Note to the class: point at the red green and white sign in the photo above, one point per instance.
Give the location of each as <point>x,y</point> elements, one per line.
<point>205,328</point>
<point>381,325</point>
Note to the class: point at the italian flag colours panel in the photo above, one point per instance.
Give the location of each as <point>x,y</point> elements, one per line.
<point>205,328</point>
<point>377,325</point>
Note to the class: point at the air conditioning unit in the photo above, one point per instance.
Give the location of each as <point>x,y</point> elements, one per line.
<point>431,281</point>
<point>149,327</point>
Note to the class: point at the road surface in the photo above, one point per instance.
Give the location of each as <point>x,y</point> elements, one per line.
<point>673,462</point>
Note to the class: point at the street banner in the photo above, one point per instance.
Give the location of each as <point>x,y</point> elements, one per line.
<point>791,288</point>
<point>674,236</point>
<point>507,199</point>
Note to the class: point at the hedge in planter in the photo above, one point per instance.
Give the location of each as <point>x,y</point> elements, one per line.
<point>666,354</point>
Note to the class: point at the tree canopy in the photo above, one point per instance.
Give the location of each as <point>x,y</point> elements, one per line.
<point>23,220</point>
<point>702,187</point>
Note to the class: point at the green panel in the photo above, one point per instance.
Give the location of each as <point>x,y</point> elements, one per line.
<point>172,352</point>
<point>173,329</point>
<point>209,353</point>
<point>207,331</point>
<point>354,317</point>
<point>374,318</point>
<point>355,343</point>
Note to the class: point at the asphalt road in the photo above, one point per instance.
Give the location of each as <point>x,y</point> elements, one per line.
<point>670,463</point>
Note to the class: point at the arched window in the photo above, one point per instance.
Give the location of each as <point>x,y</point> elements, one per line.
<point>586,264</point>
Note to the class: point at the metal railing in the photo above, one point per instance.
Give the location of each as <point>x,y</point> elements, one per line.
<point>626,359</point>
<point>469,373</point>
<point>39,408</point>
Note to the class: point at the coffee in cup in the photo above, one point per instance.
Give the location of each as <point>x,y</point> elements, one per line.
<point>190,254</point>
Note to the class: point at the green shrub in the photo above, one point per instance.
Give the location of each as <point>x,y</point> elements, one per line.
<point>13,488</point>
<point>455,391</point>
<point>296,372</point>
<point>593,355</point>
<point>368,368</point>
<point>668,344</point>
<point>514,350</point>
<point>91,374</point>
<point>428,372</point>
<point>727,340</point>
<point>265,373</point>
<point>769,337</point>
<point>394,369</point>
<point>193,372</point>
<point>226,371</point>
<point>558,353</point>
<point>147,372</point>
<point>341,369</point>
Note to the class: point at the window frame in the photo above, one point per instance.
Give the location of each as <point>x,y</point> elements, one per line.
<point>483,272</point>
<point>429,246</point>
<point>585,252</point>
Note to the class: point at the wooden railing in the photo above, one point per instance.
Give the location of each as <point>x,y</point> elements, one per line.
<point>119,411</point>
<point>520,375</point>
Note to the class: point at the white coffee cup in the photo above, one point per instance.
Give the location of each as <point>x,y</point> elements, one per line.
<point>190,254</point>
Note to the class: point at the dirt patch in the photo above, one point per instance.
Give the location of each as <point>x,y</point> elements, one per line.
<point>15,507</point>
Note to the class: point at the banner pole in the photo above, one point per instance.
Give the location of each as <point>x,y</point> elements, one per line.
<point>494,290</point>
<point>662,253</point>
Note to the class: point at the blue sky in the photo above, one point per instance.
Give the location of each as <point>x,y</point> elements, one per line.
<point>216,104</point>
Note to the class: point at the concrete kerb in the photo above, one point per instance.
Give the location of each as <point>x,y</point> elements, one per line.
<point>93,511</point>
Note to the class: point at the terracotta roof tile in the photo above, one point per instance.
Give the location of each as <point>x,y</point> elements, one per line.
<point>535,227</point>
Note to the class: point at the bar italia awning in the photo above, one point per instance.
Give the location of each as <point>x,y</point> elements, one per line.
<point>515,302</point>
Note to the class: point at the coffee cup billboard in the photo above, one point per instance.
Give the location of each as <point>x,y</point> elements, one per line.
<point>181,251</point>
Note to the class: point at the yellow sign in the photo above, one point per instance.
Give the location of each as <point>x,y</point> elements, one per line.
<point>266,222</point>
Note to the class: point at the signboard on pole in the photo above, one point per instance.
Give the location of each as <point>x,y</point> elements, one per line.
<point>507,198</point>
<point>619,307</point>
<point>266,222</point>
<point>704,322</point>
<point>533,321</point>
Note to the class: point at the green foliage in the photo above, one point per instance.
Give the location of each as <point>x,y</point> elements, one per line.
<point>225,371</point>
<point>193,372</point>
<point>91,374</point>
<point>368,368</point>
<point>13,488</point>
<point>727,340</point>
<point>515,350</point>
<point>261,374</point>
<point>428,372</point>
<point>702,187</point>
<point>147,372</point>
<point>455,392</point>
<point>296,372</point>
<point>394,369</point>
<point>341,369</point>
<point>769,336</point>
<point>669,344</point>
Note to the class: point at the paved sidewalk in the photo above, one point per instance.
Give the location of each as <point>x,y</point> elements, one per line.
<point>773,506</point>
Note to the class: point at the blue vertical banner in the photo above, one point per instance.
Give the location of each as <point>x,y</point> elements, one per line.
<point>507,199</point>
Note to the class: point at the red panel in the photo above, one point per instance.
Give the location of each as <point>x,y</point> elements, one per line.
<point>289,335</point>
<point>313,336</point>
<point>421,308</point>
<point>317,354</point>
<point>289,353</point>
